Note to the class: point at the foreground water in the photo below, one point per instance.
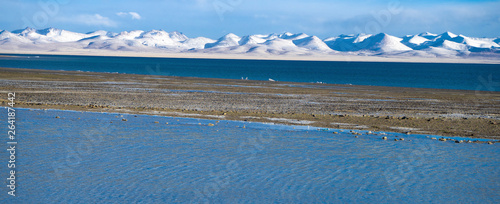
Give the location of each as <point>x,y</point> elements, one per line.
<point>97,157</point>
<point>419,75</point>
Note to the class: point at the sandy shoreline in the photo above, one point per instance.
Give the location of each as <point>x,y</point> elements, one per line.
<point>394,109</point>
<point>317,57</point>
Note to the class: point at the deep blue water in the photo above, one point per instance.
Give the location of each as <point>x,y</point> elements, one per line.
<point>85,157</point>
<point>419,75</point>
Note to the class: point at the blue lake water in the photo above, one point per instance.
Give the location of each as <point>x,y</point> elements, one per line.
<point>98,158</point>
<point>420,75</point>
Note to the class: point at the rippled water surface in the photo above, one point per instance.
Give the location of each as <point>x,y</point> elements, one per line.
<point>97,157</point>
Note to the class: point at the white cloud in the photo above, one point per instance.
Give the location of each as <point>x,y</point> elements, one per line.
<point>90,19</point>
<point>121,14</point>
<point>133,15</point>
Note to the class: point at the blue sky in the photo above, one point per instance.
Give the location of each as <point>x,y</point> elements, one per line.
<point>214,18</point>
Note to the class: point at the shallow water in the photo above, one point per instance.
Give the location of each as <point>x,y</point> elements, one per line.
<point>90,160</point>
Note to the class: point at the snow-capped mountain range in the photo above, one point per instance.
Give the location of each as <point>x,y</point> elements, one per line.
<point>422,45</point>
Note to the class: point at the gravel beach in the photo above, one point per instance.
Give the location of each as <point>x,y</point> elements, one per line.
<point>474,114</point>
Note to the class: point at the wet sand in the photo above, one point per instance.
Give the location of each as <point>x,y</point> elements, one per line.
<point>473,114</point>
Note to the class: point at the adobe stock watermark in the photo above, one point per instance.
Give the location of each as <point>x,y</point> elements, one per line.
<point>156,71</point>
<point>399,177</point>
<point>486,84</point>
<point>84,148</point>
<point>224,6</point>
<point>11,143</point>
<point>381,19</point>
<point>47,9</point>
<point>481,92</point>
<point>222,178</point>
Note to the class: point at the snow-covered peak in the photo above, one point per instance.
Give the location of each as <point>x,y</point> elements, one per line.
<point>425,34</point>
<point>160,38</point>
<point>58,35</point>
<point>230,36</point>
<point>448,35</point>
<point>476,42</point>
<point>361,37</point>
<point>7,36</point>
<point>280,44</point>
<point>177,36</point>
<point>197,43</point>
<point>342,43</point>
<point>129,35</point>
<point>49,31</point>
<point>154,34</point>
<point>4,34</point>
<point>383,43</point>
<point>428,35</point>
<point>330,39</point>
<point>252,39</point>
<point>271,36</point>
<point>453,46</point>
<point>287,36</point>
<point>24,31</point>
<point>49,35</point>
<point>227,40</point>
<point>312,43</point>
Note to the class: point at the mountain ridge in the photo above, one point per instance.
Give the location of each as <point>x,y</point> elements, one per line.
<point>424,44</point>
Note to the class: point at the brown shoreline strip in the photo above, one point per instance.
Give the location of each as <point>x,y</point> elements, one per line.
<point>396,109</point>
